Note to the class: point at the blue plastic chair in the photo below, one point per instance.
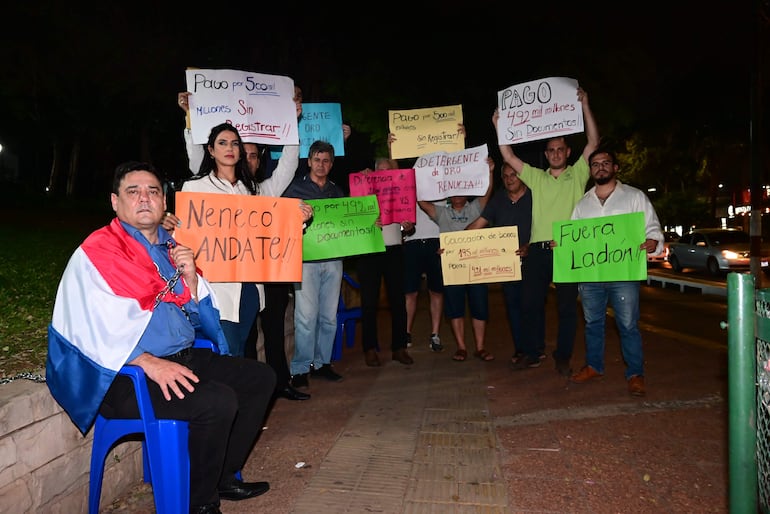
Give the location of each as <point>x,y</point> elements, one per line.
<point>346,321</point>
<point>165,457</point>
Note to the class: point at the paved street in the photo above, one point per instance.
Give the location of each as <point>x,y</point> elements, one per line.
<point>450,437</point>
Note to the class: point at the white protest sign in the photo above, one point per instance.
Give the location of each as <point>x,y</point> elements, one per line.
<point>539,109</point>
<point>440,175</point>
<point>259,106</point>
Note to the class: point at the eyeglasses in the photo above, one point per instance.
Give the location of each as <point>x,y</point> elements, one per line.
<point>603,164</point>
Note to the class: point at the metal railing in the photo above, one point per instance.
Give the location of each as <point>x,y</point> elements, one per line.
<point>748,341</point>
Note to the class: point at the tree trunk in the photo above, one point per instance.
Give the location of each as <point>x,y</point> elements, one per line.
<point>53,177</point>
<point>72,175</point>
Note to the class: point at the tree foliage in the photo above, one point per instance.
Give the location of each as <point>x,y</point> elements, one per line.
<point>96,86</point>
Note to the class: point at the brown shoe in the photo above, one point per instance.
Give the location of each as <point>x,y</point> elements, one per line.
<point>585,374</point>
<point>636,385</point>
<point>402,357</point>
<point>371,358</point>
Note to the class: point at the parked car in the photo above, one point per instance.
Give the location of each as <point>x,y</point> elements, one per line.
<point>716,250</point>
<point>669,237</point>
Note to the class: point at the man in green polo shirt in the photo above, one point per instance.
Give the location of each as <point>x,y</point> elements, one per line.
<point>555,191</point>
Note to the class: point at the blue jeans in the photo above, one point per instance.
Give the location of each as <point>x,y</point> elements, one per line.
<point>237,334</point>
<point>315,314</point>
<point>624,299</point>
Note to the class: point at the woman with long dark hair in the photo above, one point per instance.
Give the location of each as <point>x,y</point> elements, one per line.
<point>224,170</point>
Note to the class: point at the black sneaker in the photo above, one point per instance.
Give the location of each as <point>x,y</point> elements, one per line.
<point>326,372</point>
<point>300,380</point>
<point>291,393</point>
<point>525,362</point>
<point>435,343</point>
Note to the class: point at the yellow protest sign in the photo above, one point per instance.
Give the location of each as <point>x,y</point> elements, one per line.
<point>421,131</point>
<point>480,256</point>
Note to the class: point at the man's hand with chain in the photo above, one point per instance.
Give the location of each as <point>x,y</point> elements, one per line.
<point>184,259</point>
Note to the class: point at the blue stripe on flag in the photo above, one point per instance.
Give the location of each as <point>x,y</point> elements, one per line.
<point>76,382</point>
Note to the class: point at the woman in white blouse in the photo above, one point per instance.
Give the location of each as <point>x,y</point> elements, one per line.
<point>223,169</point>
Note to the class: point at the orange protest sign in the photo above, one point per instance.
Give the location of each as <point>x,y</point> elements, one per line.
<point>239,238</point>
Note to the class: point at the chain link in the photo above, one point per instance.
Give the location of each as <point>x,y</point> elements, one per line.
<point>35,377</point>
<point>171,282</point>
<point>169,285</point>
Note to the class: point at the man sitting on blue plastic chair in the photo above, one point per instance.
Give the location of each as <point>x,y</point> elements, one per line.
<point>131,295</point>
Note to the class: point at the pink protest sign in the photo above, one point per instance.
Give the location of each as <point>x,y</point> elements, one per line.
<point>395,191</point>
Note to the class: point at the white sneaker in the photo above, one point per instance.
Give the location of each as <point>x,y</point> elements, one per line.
<point>435,343</point>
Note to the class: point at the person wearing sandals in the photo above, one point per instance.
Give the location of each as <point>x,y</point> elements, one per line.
<point>508,207</point>
<point>459,212</point>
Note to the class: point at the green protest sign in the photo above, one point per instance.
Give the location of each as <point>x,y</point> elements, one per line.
<point>603,249</point>
<point>342,227</point>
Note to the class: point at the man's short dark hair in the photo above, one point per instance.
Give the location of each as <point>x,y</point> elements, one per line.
<point>555,138</point>
<point>606,150</point>
<point>127,167</point>
<point>321,147</point>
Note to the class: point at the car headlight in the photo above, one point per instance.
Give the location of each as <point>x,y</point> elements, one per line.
<point>729,254</point>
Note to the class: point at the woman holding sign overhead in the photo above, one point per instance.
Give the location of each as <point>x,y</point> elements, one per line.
<point>457,215</point>
<point>274,297</point>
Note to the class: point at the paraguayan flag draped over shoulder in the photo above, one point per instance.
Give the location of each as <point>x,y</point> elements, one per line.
<point>101,311</point>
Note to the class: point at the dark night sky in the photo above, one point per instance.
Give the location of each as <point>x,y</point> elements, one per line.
<point>119,66</point>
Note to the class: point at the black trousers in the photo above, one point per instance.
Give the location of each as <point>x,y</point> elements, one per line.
<point>536,282</point>
<point>272,319</point>
<point>372,269</point>
<point>225,413</point>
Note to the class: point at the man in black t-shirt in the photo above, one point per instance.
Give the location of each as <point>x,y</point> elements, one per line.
<point>511,206</point>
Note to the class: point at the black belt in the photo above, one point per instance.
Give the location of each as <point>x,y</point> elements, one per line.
<point>423,241</point>
<point>543,245</point>
<point>180,354</point>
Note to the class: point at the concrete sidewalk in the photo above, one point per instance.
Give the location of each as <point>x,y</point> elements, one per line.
<point>458,437</point>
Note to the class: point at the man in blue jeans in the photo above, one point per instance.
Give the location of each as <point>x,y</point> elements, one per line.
<point>609,197</point>
<point>317,297</point>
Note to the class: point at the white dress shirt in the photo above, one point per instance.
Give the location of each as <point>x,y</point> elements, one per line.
<point>624,199</point>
